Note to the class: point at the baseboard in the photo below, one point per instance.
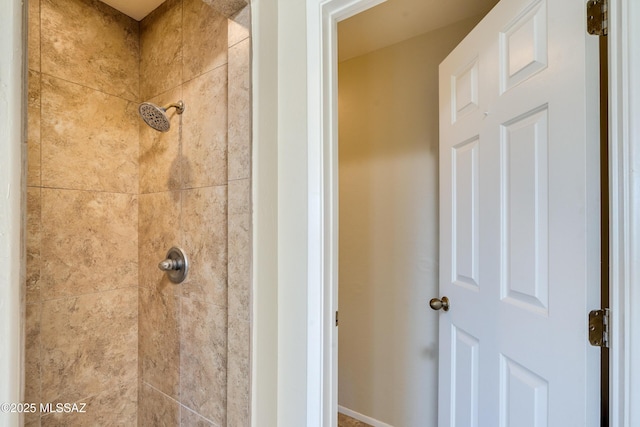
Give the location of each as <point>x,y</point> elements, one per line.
<point>363,418</point>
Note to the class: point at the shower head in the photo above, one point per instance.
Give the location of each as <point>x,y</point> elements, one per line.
<point>156,117</point>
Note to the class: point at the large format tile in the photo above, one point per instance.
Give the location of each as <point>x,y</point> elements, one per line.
<point>160,158</point>
<point>90,43</point>
<point>239,197</point>
<point>189,418</point>
<point>240,110</point>
<point>89,242</point>
<point>34,258</point>
<point>239,26</point>
<point>159,341</point>
<point>32,354</point>
<point>89,345</point>
<point>204,228</point>
<point>239,244</point>
<point>161,49</point>
<point>203,358</point>
<point>34,147</point>
<point>239,373</point>
<point>89,139</point>
<point>156,409</point>
<point>204,38</point>
<point>33,88</point>
<point>158,230</point>
<point>227,7</point>
<point>204,134</point>
<point>33,308</point>
<point>111,407</point>
<point>33,43</point>
<point>33,129</point>
<point>32,420</point>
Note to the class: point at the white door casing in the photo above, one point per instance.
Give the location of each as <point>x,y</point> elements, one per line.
<point>519,212</point>
<point>322,257</point>
<point>624,145</point>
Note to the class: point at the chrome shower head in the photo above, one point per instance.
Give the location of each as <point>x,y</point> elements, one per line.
<point>156,117</point>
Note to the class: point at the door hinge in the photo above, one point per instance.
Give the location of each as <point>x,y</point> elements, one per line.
<point>599,328</point>
<point>336,318</point>
<point>597,17</point>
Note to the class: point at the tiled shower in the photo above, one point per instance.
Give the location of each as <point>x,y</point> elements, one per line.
<point>107,196</point>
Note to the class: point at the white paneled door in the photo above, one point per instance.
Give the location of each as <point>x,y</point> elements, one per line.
<point>519,193</point>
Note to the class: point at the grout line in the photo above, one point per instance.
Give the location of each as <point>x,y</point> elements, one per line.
<point>163,93</point>
<point>180,404</point>
<point>184,189</point>
<point>224,64</point>
<point>42,300</point>
<point>159,391</point>
<point>87,87</point>
<point>199,415</point>
<point>239,179</point>
<point>238,42</point>
<point>46,187</point>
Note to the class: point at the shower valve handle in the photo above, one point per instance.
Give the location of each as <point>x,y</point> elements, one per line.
<point>170,265</point>
<point>176,265</point>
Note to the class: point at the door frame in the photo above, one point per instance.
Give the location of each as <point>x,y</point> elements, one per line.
<point>322,163</point>
<point>322,221</point>
<point>624,226</point>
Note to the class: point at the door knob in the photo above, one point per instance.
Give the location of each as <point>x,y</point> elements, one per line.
<point>439,304</point>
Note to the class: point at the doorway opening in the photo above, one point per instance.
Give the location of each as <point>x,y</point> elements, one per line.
<point>381,204</point>
<point>388,207</point>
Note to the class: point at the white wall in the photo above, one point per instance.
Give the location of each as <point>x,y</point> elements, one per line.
<point>264,384</point>
<point>388,265</point>
<point>11,196</point>
<point>280,200</point>
<point>292,214</point>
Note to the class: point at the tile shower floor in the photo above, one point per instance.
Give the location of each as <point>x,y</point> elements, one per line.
<point>346,421</point>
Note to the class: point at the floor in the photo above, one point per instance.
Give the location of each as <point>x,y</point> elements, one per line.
<point>345,421</point>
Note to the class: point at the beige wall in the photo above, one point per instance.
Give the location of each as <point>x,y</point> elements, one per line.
<point>107,196</point>
<point>388,265</point>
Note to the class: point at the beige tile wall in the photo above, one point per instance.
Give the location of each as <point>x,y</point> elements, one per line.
<point>194,179</point>
<point>91,44</point>
<point>239,235</point>
<point>82,211</point>
<point>107,196</point>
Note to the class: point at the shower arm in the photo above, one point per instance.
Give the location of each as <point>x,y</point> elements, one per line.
<point>179,106</point>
